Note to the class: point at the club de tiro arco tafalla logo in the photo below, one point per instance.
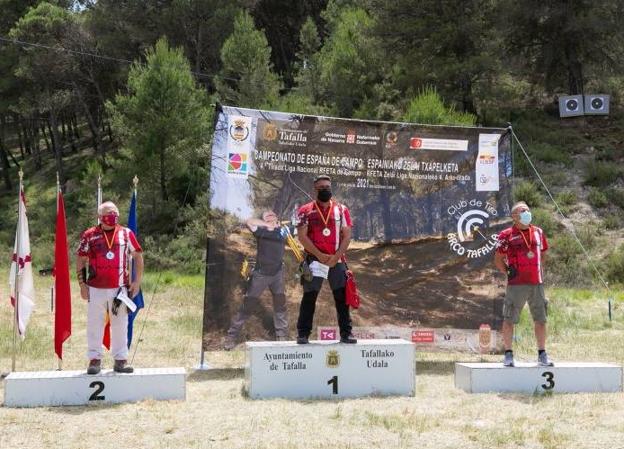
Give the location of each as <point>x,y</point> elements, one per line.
<point>472,237</point>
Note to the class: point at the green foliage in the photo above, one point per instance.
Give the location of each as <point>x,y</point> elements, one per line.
<point>246,78</point>
<point>616,197</point>
<point>545,220</point>
<point>601,174</point>
<point>350,61</point>
<point>164,122</point>
<point>307,64</point>
<point>566,201</point>
<point>550,154</point>
<point>614,266</point>
<point>612,221</point>
<point>428,108</point>
<point>528,192</point>
<point>597,198</point>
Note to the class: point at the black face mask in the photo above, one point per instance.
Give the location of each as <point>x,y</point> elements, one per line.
<point>324,195</point>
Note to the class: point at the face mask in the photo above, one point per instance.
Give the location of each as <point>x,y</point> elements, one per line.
<point>324,195</point>
<point>525,217</point>
<point>110,219</point>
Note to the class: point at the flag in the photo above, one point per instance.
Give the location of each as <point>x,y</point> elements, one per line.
<point>62,292</point>
<point>138,299</point>
<point>21,270</point>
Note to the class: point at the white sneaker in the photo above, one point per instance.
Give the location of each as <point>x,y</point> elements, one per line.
<point>543,360</point>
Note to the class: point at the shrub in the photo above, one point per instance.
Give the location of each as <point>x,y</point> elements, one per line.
<point>597,198</point>
<point>612,222</point>
<point>545,220</point>
<point>528,192</point>
<point>614,266</point>
<point>550,154</point>
<point>616,197</point>
<point>601,174</point>
<point>566,200</point>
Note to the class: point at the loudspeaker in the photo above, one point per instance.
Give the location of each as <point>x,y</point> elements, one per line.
<point>597,104</point>
<point>571,106</point>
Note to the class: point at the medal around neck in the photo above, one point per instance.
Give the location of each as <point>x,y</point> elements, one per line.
<point>326,232</point>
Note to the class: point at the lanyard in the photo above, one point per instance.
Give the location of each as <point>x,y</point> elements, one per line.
<point>112,241</point>
<point>529,244</point>
<point>325,219</point>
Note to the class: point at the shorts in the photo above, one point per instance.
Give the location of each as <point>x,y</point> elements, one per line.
<point>518,295</point>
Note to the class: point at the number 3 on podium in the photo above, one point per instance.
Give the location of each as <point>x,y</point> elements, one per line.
<point>550,380</point>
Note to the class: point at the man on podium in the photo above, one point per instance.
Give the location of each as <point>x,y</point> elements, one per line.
<point>520,256</point>
<point>324,230</point>
<point>102,268</point>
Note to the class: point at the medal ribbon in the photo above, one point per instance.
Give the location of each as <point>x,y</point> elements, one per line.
<point>112,241</point>
<point>529,244</point>
<point>325,219</point>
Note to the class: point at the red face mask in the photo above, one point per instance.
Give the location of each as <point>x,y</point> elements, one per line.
<point>110,219</point>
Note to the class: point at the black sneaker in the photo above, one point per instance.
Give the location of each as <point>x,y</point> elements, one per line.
<point>349,339</point>
<point>302,340</point>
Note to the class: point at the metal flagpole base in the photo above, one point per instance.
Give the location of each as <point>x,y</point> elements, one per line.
<point>203,366</point>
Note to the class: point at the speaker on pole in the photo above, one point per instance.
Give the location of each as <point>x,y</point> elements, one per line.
<point>571,106</point>
<point>597,104</point>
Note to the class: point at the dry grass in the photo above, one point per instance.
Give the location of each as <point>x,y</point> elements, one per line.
<point>217,415</point>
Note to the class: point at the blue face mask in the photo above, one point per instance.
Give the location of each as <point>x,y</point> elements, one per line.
<point>525,218</point>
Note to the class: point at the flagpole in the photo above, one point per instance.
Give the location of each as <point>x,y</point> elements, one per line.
<point>99,196</point>
<point>16,282</point>
<point>58,190</point>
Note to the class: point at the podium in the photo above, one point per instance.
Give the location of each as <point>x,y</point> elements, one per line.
<point>58,388</point>
<point>529,378</point>
<point>325,370</point>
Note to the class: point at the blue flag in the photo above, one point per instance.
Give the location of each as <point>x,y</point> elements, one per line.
<point>138,299</point>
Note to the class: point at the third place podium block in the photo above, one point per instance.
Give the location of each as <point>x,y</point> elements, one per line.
<point>329,369</point>
<point>530,378</point>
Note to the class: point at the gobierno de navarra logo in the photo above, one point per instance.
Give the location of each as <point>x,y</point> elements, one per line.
<point>472,218</point>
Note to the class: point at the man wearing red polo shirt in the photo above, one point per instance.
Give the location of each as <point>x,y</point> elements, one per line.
<point>102,269</point>
<point>520,256</point>
<point>324,230</point>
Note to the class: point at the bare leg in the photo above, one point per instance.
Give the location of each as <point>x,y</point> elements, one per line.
<point>540,335</point>
<point>508,330</point>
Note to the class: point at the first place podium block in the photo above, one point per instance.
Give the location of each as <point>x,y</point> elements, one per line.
<point>58,388</point>
<point>330,370</point>
<point>530,378</point>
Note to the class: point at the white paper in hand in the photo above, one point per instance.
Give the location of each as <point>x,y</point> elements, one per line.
<point>319,270</point>
<point>123,297</point>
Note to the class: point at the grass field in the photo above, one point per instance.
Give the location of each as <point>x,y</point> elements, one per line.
<point>217,415</point>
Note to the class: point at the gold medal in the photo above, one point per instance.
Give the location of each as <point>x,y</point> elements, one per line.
<point>110,255</point>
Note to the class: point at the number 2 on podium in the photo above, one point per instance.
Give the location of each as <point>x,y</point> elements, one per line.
<point>334,383</point>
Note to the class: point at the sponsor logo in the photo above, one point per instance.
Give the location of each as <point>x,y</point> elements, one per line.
<point>423,336</point>
<point>237,163</point>
<point>447,337</point>
<point>486,158</point>
<point>392,138</point>
<point>332,359</point>
<point>415,143</point>
<point>425,143</point>
<point>269,132</point>
<point>472,223</point>
<point>239,131</point>
<point>350,136</point>
<point>328,334</point>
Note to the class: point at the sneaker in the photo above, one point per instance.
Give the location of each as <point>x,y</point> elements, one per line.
<point>543,360</point>
<point>349,339</point>
<point>509,361</point>
<point>95,366</point>
<point>302,340</point>
<point>121,366</point>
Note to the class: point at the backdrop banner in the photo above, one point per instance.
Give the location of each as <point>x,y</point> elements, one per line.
<point>426,203</point>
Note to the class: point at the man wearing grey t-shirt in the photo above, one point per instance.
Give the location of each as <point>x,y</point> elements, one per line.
<point>268,272</point>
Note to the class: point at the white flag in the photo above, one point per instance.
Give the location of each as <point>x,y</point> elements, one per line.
<point>22,265</point>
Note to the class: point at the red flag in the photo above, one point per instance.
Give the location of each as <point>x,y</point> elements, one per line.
<point>106,338</point>
<point>62,311</point>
